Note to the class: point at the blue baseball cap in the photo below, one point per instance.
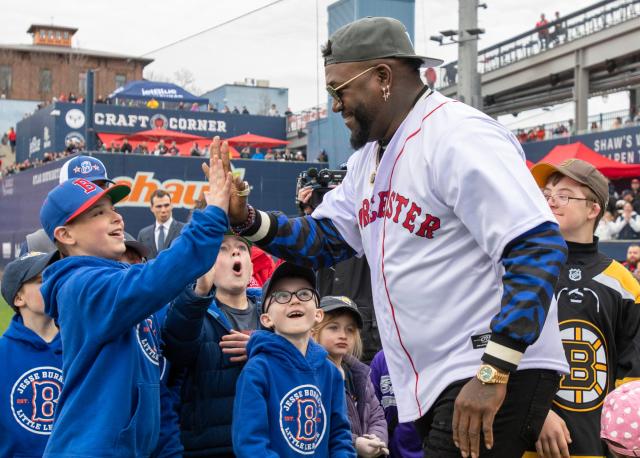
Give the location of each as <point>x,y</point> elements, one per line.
<point>72,198</point>
<point>23,269</point>
<point>87,167</point>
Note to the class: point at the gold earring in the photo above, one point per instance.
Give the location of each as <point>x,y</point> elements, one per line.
<point>386,93</point>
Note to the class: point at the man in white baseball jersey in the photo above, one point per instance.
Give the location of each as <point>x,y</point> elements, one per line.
<point>463,249</point>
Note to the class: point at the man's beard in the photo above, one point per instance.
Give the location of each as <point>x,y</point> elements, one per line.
<point>362,127</point>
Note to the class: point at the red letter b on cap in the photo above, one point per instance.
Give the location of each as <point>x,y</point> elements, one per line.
<point>88,186</point>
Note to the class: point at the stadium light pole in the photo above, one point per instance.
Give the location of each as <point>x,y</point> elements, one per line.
<point>468,76</point>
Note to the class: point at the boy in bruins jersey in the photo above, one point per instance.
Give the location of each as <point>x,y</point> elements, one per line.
<point>598,312</point>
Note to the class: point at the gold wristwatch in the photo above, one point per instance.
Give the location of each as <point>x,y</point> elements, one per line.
<point>489,375</point>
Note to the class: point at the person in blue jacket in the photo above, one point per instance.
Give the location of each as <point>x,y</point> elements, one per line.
<point>289,398</point>
<point>205,335</point>
<point>30,362</point>
<point>168,445</point>
<point>110,403</point>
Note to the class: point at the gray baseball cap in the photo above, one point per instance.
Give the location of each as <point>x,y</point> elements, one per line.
<point>333,303</point>
<point>23,269</point>
<point>373,38</point>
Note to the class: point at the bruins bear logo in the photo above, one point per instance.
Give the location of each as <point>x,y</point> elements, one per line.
<point>586,385</point>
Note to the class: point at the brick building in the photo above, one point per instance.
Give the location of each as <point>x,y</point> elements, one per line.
<point>51,66</point>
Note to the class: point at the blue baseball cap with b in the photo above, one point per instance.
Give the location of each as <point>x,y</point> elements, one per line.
<point>70,199</point>
<point>87,167</point>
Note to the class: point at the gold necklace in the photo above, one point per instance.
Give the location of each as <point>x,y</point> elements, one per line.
<point>379,154</point>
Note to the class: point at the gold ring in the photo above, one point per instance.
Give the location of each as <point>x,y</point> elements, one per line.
<point>244,193</point>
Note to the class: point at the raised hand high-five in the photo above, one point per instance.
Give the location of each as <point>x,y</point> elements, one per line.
<point>237,208</point>
<point>219,180</point>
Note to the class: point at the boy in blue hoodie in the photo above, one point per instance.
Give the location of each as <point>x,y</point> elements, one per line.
<point>289,397</point>
<point>30,361</point>
<point>110,404</point>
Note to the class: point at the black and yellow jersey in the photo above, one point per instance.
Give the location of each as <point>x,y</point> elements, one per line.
<point>599,316</point>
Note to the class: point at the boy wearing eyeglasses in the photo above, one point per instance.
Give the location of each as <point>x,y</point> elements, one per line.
<point>289,398</point>
<point>598,313</point>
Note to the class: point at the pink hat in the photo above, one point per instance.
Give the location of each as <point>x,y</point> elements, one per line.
<point>620,421</point>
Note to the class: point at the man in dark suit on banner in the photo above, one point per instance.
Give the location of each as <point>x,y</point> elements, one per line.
<point>158,236</point>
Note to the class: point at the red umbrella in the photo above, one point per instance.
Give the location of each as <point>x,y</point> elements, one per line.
<point>155,135</point>
<point>611,169</point>
<point>256,141</point>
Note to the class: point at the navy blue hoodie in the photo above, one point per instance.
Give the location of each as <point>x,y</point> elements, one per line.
<point>30,383</point>
<point>289,405</point>
<point>110,403</point>
<point>192,334</point>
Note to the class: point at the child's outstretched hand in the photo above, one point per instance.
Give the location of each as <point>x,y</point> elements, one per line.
<point>219,182</point>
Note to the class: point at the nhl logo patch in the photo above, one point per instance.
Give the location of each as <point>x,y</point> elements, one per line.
<point>303,420</point>
<point>575,274</point>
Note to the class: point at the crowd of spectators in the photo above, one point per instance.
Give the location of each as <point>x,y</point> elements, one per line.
<point>159,149</point>
<point>551,33</point>
<point>567,128</point>
<point>29,164</point>
<point>544,132</point>
<point>621,221</point>
<point>283,155</point>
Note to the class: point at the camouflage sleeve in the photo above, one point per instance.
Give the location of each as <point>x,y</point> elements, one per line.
<point>532,265</point>
<point>303,240</point>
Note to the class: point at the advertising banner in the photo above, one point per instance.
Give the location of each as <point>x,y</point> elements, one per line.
<point>35,135</point>
<point>62,122</point>
<point>622,145</point>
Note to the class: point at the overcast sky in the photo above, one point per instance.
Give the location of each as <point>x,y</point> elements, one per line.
<point>280,43</point>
